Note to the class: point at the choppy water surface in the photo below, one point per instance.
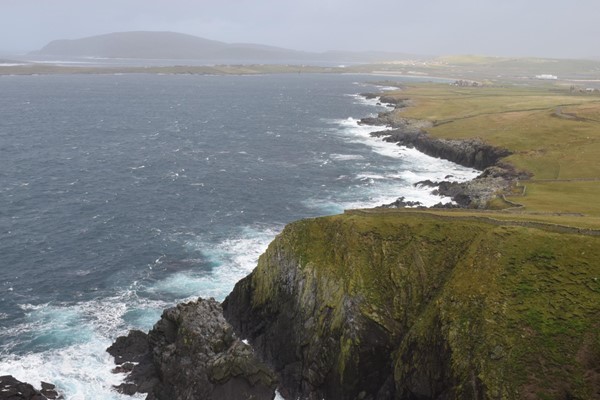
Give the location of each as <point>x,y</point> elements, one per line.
<point>121,195</point>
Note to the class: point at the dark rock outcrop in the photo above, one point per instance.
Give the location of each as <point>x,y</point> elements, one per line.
<point>192,353</point>
<point>495,177</point>
<point>13,389</point>
<point>477,192</point>
<point>474,153</point>
<point>469,153</point>
<point>394,101</point>
<point>412,133</point>
<point>305,308</point>
<point>401,202</point>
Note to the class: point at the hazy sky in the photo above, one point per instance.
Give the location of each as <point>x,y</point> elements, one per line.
<point>551,28</point>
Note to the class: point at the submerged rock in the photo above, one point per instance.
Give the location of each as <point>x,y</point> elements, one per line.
<point>192,353</point>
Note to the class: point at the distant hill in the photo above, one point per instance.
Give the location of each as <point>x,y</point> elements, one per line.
<point>171,45</point>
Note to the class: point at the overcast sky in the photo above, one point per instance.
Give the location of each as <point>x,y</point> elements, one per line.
<point>549,28</point>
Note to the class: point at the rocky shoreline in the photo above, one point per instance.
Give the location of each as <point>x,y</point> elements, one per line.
<point>496,177</point>
<point>13,389</point>
<point>193,350</point>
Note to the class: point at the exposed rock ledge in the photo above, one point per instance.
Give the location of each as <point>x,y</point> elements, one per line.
<point>191,353</point>
<point>13,389</point>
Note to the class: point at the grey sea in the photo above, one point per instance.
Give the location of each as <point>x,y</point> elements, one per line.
<point>121,195</point>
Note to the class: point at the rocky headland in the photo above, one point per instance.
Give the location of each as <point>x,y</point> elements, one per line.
<point>393,304</point>
<point>389,304</point>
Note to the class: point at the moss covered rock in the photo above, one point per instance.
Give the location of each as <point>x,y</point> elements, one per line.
<point>409,305</point>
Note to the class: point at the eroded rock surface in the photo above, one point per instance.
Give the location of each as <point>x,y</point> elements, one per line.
<point>13,389</point>
<point>192,353</point>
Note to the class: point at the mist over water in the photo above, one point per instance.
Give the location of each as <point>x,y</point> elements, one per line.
<point>122,195</point>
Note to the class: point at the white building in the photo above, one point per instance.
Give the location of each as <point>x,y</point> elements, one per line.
<point>546,76</point>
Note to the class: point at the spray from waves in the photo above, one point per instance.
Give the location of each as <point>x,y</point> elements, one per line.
<point>67,344</point>
<point>232,259</point>
<point>69,339</point>
<point>80,372</point>
<point>380,185</point>
<point>352,130</point>
<point>373,192</point>
<point>374,102</point>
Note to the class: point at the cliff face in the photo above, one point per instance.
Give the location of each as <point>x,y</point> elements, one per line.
<point>414,306</point>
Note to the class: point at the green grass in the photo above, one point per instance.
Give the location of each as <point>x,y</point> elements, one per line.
<point>553,134</point>
<point>516,305</point>
<point>562,197</point>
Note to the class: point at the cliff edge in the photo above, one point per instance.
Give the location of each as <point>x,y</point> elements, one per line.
<point>411,305</point>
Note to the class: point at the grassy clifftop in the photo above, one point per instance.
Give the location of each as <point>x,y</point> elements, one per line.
<point>438,305</point>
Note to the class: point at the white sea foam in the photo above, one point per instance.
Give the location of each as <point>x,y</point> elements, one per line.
<point>80,372</point>
<point>81,369</point>
<point>70,341</point>
<point>383,187</point>
<point>359,99</point>
<point>232,258</point>
<point>345,157</point>
<point>370,176</point>
<point>356,133</point>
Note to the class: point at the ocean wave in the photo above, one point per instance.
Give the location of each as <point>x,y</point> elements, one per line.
<point>353,131</point>
<point>385,185</point>
<point>345,157</point>
<point>80,372</point>
<point>65,343</point>
<point>231,258</point>
<point>372,102</point>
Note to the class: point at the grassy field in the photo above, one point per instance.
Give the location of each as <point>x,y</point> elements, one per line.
<point>553,132</point>
<point>495,69</point>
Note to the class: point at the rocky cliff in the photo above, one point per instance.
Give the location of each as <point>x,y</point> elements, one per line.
<point>409,305</point>
<point>192,353</point>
